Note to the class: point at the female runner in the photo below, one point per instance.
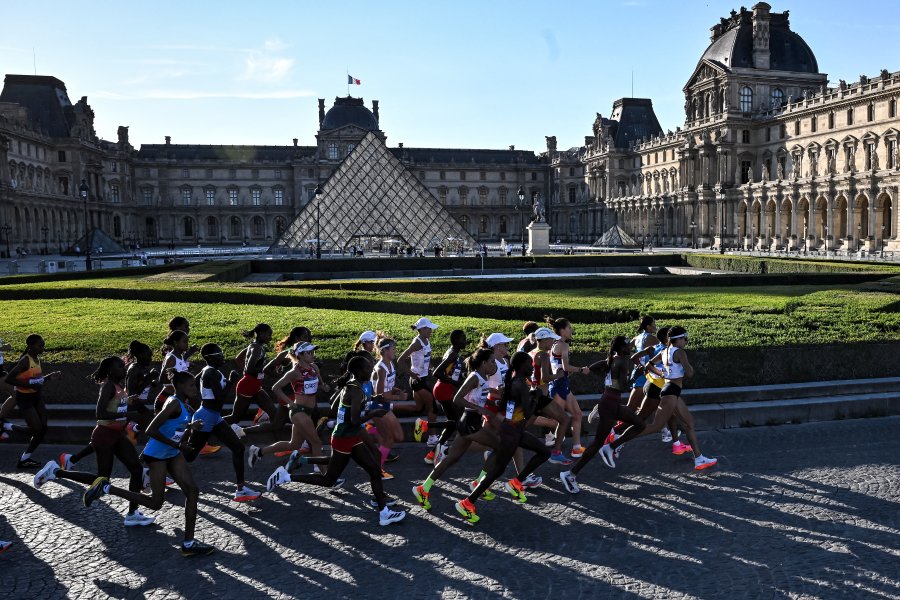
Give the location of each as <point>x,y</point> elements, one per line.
<point>277,366</point>
<point>249,388</point>
<point>449,374</point>
<point>550,414</point>
<point>384,378</point>
<point>560,389</point>
<point>346,443</point>
<point>305,381</point>
<point>214,389</point>
<point>472,399</point>
<point>109,440</point>
<point>517,407</point>
<point>610,410</point>
<point>28,378</point>
<point>419,355</point>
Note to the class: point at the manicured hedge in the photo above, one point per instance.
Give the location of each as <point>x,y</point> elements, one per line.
<point>763,265</point>
<point>76,275</point>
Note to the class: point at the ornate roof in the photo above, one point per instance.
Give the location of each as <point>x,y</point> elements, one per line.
<point>349,111</point>
<point>46,100</point>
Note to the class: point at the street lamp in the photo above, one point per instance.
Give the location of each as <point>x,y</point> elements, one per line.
<point>740,242</point>
<point>753,240</point>
<point>787,239</point>
<point>826,240</point>
<point>45,230</point>
<point>520,194</point>
<point>6,229</point>
<point>319,195</point>
<point>722,222</point>
<point>882,241</point>
<point>693,235</point>
<point>643,237</point>
<point>83,190</point>
<point>858,237</point>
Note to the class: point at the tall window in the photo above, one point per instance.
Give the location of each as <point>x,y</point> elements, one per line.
<point>277,173</point>
<point>442,175</point>
<point>482,225</point>
<point>797,127</point>
<point>186,197</point>
<point>117,226</point>
<point>255,195</point>
<point>572,194</point>
<point>849,116</point>
<point>147,195</point>
<point>188,227</point>
<point>502,175</point>
<point>777,97</point>
<point>210,197</point>
<point>114,194</point>
<point>233,197</point>
<point>482,175</point>
<point>746,99</point>
<point>892,109</point>
<point>891,145</point>
<point>442,195</point>
<point>185,173</point>
<point>503,225</point>
<point>463,195</point>
<point>464,221</point>
<point>462,175</point>
<point>259,227</point>
<point>279,197</point>
<point>502,193</point>
<point>534,175</point>
<point>870,112</point>
<point>482,196</point>
<point>745,136</point>
<point>814,124</point>
<point>350,148</point>
<point>212,227</point>
<point>782,131</point>
<point>332,151</point>
<point>572,171</point>
<point>830,120</point>
<point>235,227</point>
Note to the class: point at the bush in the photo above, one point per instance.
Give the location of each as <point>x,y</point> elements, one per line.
<point>764,265</point>
<point>104,273</point>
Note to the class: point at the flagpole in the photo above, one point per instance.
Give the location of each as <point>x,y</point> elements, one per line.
<point>348,81</point>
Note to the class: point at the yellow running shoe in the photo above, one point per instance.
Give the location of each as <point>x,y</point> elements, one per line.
<point>514,487</point>
<point>422,497</point>
<point>467,510</point>
<point>487,495</point>
<point>420,429</point>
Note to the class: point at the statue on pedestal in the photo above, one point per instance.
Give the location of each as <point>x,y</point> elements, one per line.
<point>539,210</point>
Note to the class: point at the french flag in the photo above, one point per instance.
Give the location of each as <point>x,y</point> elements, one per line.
<point>353,81</point>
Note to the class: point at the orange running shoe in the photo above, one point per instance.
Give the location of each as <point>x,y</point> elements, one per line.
<point>209,449</point>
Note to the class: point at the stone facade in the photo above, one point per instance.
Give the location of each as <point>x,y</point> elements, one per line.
<point>769,156</point>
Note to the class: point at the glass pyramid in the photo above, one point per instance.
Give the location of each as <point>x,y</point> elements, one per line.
<point>372,201</point>
<point>615,237</point>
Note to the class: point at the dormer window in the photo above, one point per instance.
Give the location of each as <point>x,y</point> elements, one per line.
<point>777,97</point>
<point>746,99</point>
<point>332,151</point>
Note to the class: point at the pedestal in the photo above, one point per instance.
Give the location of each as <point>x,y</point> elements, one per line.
<point>538,238</point>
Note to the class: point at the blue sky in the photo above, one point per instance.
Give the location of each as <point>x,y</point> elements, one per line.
<point>447,74</point>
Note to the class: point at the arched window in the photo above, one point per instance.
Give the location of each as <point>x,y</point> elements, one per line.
<point>483,225</point>
<point>212,227</point>
<point>777,97</point>
<point>279,226</point>
<point>188,227</point>
<point>235,227</point>
<point>117,226</point>
<point>746,99</point>
<point>502,225</point>
<point>259,227</point>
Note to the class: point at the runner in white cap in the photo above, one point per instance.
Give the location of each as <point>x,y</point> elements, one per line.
<point>420,381</point>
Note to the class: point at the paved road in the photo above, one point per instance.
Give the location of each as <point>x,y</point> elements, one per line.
<point>796,511</point>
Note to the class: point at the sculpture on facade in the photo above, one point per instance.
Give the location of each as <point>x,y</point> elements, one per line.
<point>813,164</point>
<point>874,159</point>
<point>749,174</point>
<point>779,173</point>
<point>831,165</point>
<point>551,143</point>
<point>765,172</point>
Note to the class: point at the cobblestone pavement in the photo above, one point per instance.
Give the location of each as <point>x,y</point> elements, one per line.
<point>796,511</point>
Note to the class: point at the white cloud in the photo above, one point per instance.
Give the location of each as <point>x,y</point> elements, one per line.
<point>275,45</point>
<point>269,69</point>
<point>204,95</point>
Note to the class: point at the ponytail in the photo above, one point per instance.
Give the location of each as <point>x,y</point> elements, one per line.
<point>556,324</point>
<point>478,358</point>
<point>614,348</point>
<point>355,366</point>
<point>174,336</point>
<point>135,349</point>
<point>252,333</point>
<point>292,338</point>
<point>515,364</point>
<point>102,372</point>
<point>646,322</point>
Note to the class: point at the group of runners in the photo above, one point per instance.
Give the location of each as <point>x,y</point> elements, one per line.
<point>490,398</point>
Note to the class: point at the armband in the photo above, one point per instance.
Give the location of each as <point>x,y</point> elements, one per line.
<point>36,381</point>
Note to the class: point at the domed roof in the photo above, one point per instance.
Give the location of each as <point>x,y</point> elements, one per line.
<point>349,111</point>
<point>787,50</point>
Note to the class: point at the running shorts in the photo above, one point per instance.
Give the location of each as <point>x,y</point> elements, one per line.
<point>651,390</point>
<point>639,382</point>
<point>210,418</point>
<point>345,445</point>
<point>443,392</point>
<point>105,437</point>
<point>670,389</point>
<point>294,409</point>
<point>560,387</point>
<point>27,401</point>
<point>470,423</point>
<point>543,402</point>
<point>609,405</point>
<point>248,386</point>
<point>422,383</point>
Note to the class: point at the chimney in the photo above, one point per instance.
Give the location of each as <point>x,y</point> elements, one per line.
<point>400,145</point>
<point>321,111</point>
<point>761,17</point>
<point>168,140</point>
<point>295,142</point>
<point>375,112</point>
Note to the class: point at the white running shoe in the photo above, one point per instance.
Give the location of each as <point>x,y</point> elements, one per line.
<point>146,479</point>
<point>666,435</point>
<point>278,478</point>
<point>305,446</point>
<point>253,455</point>
<point>595,415</point>
<point>137,518</point>
<point>169,480</point>
<point>549,439</point>
<point>238,431</point>
<point>387,502</point>
<point>532,481</point>
<point>701,462</point>
<point>388,516</point>
<point>440,453</point>
<point>606,453</point>
<point>432,440</point>
<point>570,482</point>
<point>47,473</point>
<point>246,494</point>
<point>65,461</point>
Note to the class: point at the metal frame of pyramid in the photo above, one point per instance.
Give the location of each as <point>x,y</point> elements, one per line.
<point>615,237</point>
<point>372,195</point>
<point>98,239</point>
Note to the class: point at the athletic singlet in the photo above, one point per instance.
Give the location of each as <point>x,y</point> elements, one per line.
<point>537,374</point>
<point>119,399</point>
<point>421,359</point>
<point>390,376</point>
<point>478,395</point>
<point>556,363</point>
<point>526,346</point>
<point>181,365</point>
<point>513,411</point>
<point>638,341</point>
<point>34,371</point>
<point>260,364</point>
<point>671,369</point>
<point>454,370</point>
<point>608,381</point>
<point>496,380</point>
<point>308,384</point>
<point>173,429</point>
<point>344,427</point>
<point>367,389</point>
<point>207,396</point>
<point>144,394</point>
<point>651,376</point>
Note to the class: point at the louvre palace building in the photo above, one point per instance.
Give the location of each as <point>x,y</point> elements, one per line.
<point>769,156</point>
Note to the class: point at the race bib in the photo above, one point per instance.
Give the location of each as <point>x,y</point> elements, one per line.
<point>177,436</point>
<point>510,409</point>
<point>457,373</point>
<point>310,386</point>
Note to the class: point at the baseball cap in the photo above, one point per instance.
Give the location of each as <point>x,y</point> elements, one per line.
<point>367,336</point>
<point>496,338</point>
<point>545,333</point>
<point>424,322</point>
<point>302,347</point>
